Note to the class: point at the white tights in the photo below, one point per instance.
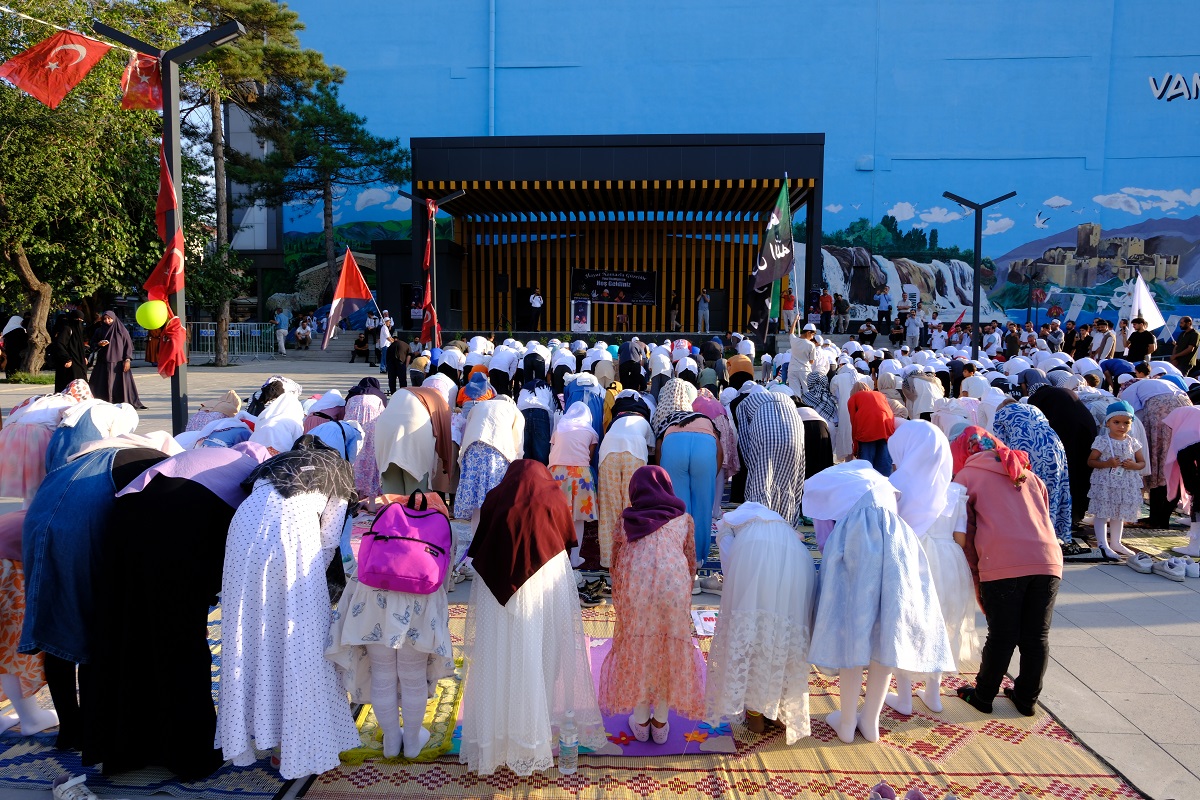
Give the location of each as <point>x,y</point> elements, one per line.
<point>576,561</point>
<point>405,668</point>
<point>32,718</point>
<point>931,695</point>
<point>848,718</point>
<point>1115,527</point>
<point>641,714</point>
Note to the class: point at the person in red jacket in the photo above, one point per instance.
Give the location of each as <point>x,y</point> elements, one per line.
<point>1016,562</point>
<point>872,423</point>
<point>825,303</point>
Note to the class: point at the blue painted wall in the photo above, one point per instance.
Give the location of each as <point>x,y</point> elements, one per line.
<point>1051,98</point>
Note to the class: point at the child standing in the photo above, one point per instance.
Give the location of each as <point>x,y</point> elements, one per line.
<point>571,447</point>
<point>1116,494</point>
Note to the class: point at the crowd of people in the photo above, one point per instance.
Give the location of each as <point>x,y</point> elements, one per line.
<point>935,484</point>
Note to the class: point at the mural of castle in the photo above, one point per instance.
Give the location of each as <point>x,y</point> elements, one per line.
<point>1095,260</point>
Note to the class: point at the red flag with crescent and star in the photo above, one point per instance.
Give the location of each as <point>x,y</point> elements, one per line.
<point>49,70</point>
<point>141,85</point>
<point>167,201</point>
<point>167,277</point>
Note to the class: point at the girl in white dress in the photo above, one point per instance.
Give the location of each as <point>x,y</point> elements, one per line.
<point>277,689</point>
<point>936,510</point>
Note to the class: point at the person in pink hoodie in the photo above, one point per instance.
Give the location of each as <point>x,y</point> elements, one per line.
<point>1016,562</point>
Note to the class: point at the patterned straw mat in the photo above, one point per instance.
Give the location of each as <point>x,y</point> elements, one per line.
<point>959,750</point>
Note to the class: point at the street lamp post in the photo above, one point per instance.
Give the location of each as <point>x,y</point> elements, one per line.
<point>171,61</point>
<point>977,326</point>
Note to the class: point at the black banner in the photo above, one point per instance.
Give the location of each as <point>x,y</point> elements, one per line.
<point>608,286</point>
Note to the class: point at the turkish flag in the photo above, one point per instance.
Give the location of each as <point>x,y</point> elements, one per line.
<point>431,331</point>
<point>167,277</point>
<point>167,201</point>
<point>173,350</point>
<point>141,85</point>
<point>56,66</point>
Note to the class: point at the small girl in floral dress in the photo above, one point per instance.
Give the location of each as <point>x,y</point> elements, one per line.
<point>1116,494</point>
<point>652,666</point>
<point>571,448</point>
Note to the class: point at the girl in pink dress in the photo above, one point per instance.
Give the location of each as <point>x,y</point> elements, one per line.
<point>652,666</point>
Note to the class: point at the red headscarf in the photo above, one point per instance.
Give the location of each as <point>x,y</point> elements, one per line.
<point>524,522</point>
<point>975,439</point>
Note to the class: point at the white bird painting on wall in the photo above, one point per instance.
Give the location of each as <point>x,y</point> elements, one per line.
<point>1041,222</point>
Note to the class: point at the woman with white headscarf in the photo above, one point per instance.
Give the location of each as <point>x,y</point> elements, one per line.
<point>572,445</point>
<point>842,384</point>
<point>936,510</point>
<point>280,424</point>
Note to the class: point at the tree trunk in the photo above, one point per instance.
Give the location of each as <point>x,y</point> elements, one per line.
<point>39,299</point>
<point>221,355</point>
<point>330,248</point>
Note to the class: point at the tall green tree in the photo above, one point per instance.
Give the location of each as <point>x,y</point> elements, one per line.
<point>77,183</point>
<point>251,73</point>
<point>320,146</point>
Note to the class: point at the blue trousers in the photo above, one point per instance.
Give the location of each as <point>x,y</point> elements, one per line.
<point>691,460</point>
<point>877,453</point>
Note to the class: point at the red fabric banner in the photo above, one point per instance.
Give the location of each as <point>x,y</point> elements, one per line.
<point>141,85</point>
<point>167,201</point>
<point>49,70</point>
<point>172,351</point>
<point>167,277</point>
<point>432,208</point>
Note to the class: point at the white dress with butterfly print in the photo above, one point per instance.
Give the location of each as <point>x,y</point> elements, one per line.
<point>398,619</point>
<point>277,689</point>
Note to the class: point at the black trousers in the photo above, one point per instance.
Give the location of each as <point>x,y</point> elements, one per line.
<point>1189,472</point>
<point>397,376</point>
<point>1019,612</point>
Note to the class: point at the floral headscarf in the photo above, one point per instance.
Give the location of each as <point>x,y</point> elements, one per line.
<point>974,440</point>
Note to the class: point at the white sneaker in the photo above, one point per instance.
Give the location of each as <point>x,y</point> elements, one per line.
<point>1191,566</point>
<point>712,583</point>
<point>1171,569</point>
<point>72,789</point>
<point>696,588</point>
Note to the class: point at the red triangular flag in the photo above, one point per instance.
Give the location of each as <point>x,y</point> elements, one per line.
<point>958,321</point>
<point>172,351</point>
<point>167,201</point>
<point>352,294</point>
<point>56,66</point>
<point>141,85</point>
<point>167,277</point>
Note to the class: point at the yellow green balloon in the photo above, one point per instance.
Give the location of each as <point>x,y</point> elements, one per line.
<point>152,314</point>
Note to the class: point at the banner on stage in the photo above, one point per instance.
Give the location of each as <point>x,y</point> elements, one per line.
<point>610,286</point>
<point>581,316</point>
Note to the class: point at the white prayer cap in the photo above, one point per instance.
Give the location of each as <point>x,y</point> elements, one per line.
<point>728,394</point>
<point>1086,366</point>
<point>843,360</point>
<point>859,364</point>
<point>578,345</point>
<point>810,327</point>
<point>1124,379</point>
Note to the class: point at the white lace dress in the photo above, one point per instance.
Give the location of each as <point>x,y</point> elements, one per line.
<point>527,664</point>
<point>951,576</point>
<point>759,655</point>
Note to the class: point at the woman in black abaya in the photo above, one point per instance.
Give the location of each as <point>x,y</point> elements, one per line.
<point>67,350</point>
<point>111,379</point>
<point>1076,427</point>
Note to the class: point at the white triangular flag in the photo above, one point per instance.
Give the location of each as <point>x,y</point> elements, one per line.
<point>1145,307</point>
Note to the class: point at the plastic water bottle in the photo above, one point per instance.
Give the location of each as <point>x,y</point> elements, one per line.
<point>568,746</point>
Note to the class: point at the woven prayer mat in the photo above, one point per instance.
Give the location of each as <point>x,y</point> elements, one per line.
<point>441,720</point>
<point>33,763</point>
<point>958,750</point>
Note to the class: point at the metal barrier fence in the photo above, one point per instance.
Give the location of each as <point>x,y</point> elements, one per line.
<point>249,341</point>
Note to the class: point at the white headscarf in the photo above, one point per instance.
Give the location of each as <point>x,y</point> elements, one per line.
<point>280,424</point>
<point>13,323</point>
<point>921,455</point>
<point>832,492</point>
<point>577,418</point>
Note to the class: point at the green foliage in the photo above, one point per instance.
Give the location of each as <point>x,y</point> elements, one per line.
<point>887,240</point>
<point>320,145</point>
<point>41,379</point>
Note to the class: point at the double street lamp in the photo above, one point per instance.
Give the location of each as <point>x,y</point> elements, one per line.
<point>976,322</point>
<point>171,60</point>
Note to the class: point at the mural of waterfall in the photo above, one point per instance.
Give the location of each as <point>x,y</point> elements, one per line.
<point>855,272</point>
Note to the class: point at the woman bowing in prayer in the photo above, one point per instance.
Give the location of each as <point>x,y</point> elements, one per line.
<point>364,403</point>
<point>843,384</point>
<point>111,379</point>
<point>771,436</point>
<point>652,666</point>
<point>872,423</point>
<point>1076,429</point>
<point>198,491</point>
<point>525,653</point>
<point>277,614</point>
<point>1024,427</point>
<point>571,449</point>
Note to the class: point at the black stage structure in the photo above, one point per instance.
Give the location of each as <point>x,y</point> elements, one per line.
<point>687,208</point>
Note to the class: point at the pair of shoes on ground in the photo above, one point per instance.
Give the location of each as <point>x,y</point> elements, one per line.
<point>647,731</point>
<point>967,695</point>
<point>881,791</point>
<point>588,599</point>
<point>1175,568</point>
<point>598,587</point>
<point>68,788</point>
<point>713,584</point>
<point>1075,548</point>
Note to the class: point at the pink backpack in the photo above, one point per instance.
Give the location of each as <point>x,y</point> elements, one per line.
<point>408,548</point>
